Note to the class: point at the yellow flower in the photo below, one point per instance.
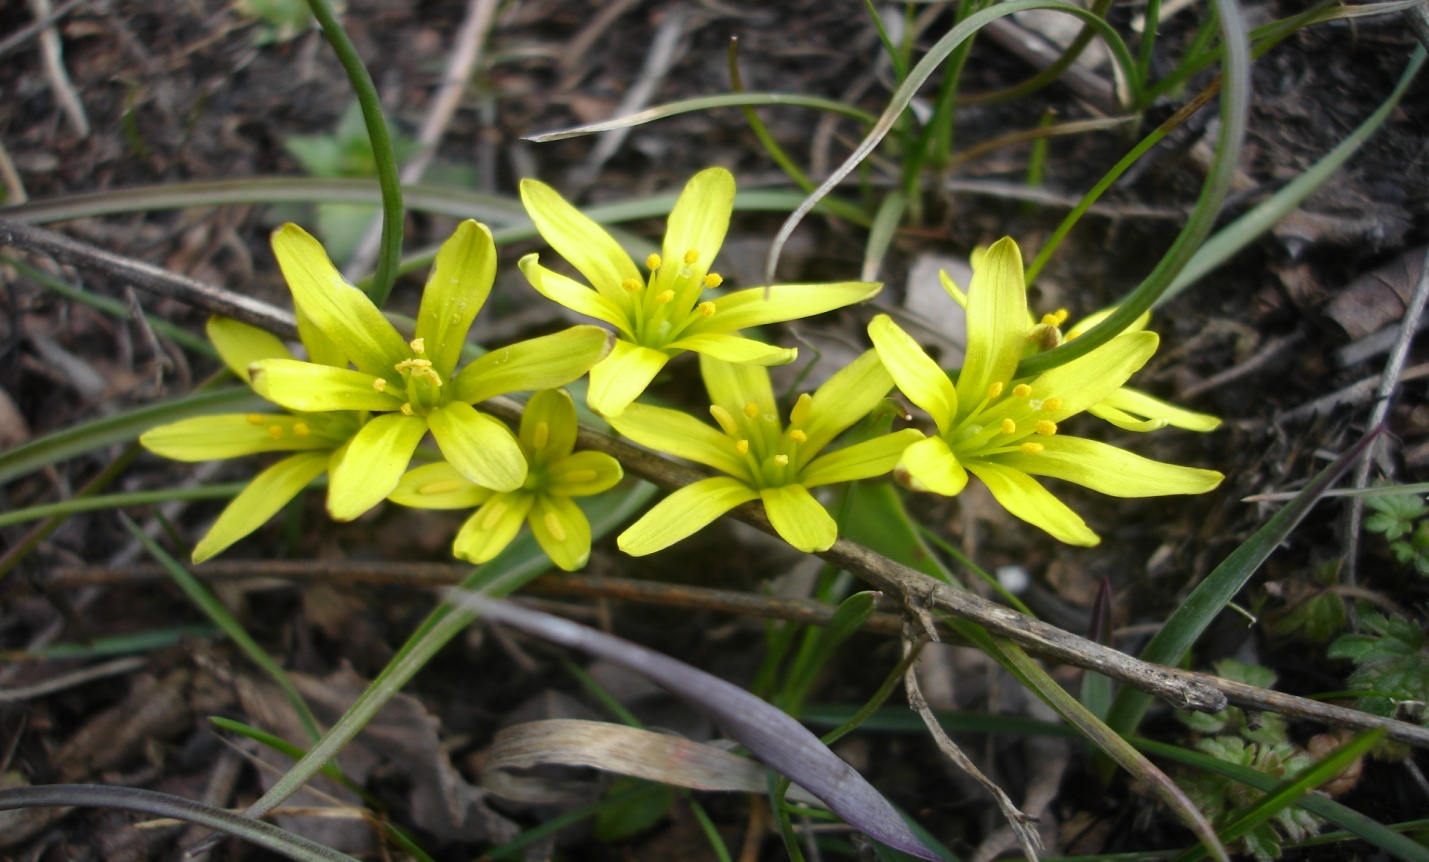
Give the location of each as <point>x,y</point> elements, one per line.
<point>1004,430</point>
<point>557,473</point>
<point>664,311</point>
<point>763,459</point>
<point>316,438</point>
<point>413,386</point>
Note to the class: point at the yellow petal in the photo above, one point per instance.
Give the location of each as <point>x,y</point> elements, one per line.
<point>683,513</point>
<point>240,345</point>
<point>758,306</point>
<point>798,518</point>
<point>1140,404</point>
<point>583,474</point>
<point>456,289</point>
<point>312,388</point>
<point>269,491</point>
<point>997,323</point>
<point>1108,469</point>
<point>845,398</point>
<point>536,363</point>
<point>438,486</point>
<point>579,240</point>
<point>929,465</point>
<point>487,533</point>
<point>562,531</point>
<point>480,447</point>
<point>863,460</point>
<point>214,438</point>
<point>574,295</point>
<point>1020,495</point>
<point>548,425</point>
<point>369,467</point>
<point>917,376</point>
<point>734,387</point>
<point>619,379</point>
<point>680,434</point>
<point>697,223</point>
<point>734,348</point>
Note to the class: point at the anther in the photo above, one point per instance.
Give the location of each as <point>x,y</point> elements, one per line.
<point>994,390</point>
<point>1021,390</point>
<point>1032,448</point>
<point>256,419</point>
<point>751,410</point>
<point>741,446</point>
<point>553,523</point>
<point>631,285</point>
<point>705,309</point>
<point>542,435</point>
<point>407,410</point>
<point>579,476</point>
<point>1050,320</point>
<point>1052,405</point>
<point>691,256</point>
<point>781,460</point>
<point>713,280</point>
<point>1061,316</point>
<point>652,262</point>
<point>1046,427</point>
<point>379,385</point>
<point>724,419</point>
<point>301,430</point>
<point>801,409</point>
<point>275,431</point>
<point>419,346</point>
<point>798,436</point>
<point>664,297</point>
<point>1009,427</point>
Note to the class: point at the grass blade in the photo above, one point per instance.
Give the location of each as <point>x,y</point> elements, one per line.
<point>705,103</point>
<point>117,501</point>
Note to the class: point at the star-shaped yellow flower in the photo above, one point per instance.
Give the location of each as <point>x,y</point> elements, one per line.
<point>316,438</point>
<point>662,312</point>
<point>558,473</point>
<point>413,386</point>
<point>1004,430</point>
<point>763,459</point>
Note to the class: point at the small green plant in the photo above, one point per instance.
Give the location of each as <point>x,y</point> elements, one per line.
<point>1400,519</point>
<point>1256,741</point>
<point>1391,665</point>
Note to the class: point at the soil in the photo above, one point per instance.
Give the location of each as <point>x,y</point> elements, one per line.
<point>185,92</point>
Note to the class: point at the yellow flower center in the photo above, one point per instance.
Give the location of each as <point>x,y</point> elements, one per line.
<point>663,309</point>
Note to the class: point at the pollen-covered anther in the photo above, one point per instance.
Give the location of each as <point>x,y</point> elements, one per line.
<point>741,446</point>
<point>1021,390</point>
<point>553,523</point>
<point>1032,448</point>
<point>798,436</point>
<point>751,410</point>
<point>418,345</point>
<point>802,406</point>
<point>301,429</point>
<point>631,285</point>
<point>714,279</point>
<point>1060,316</point>
<point>781,460</point>
<point>1009,427</point>
<point>1046,427</point>
<point>705,309</point>
<point>256,419</point>
<point>379,385</point>
<point>1052,405</point>
<point>652,262</point>
<point>994,390</point>
<point>724,419</point>
<point>692,256</point>
<point>664,297</point>
<point>542,435</point>
<point>275,431</point>
<point>407,410</point>
<point>1050,320</point>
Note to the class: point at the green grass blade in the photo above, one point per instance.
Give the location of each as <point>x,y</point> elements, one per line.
<point>705,103</point>
<point>121,428</point>
<point>1249,227</point>
<point>140,642</point>
<point>1342,816</point>
<point>756,125</point>
<point>158,804</point>
<point>881,233</point>
<point>1210,597</point>
<point>117,501</point>
<point>216,611</point>
<point>1293,789</point>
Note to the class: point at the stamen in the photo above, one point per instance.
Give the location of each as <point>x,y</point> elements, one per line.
<point>542,435</point>
<point>724,419</point>
<point>714,279</point>
<point>553,523</point>
<point>664,297</point>
<point>419,346</point>
<point>798,436</point>
<point>741,446</point>
<point>652,262</point>
<point>994,390</point>
<point>493,515</point>
<point>801,409</point>
<point>1009,427</point>
<point>275,431</point>
<point>1021,390</point>
<point>1052,405</point>
<point>751,410</point>
<point>1049,320</point>
<point>1032,448</point>
<point>705,309</point>
<point>256,419</point>
<point>1061,316</point>
<point>781,460</point>
<point>631,285</point>
<point>301,430</point>
<point>691,256</point>
<point>407,410</point>
<point>379,385</point>
<point>1046,427</point>
<point>579,476</point>
<point>445,486</point>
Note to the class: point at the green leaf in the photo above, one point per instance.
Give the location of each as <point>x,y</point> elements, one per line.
<point>627,813</point>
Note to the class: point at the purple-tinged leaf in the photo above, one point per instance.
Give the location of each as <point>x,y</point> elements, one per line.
<point>782,743</point>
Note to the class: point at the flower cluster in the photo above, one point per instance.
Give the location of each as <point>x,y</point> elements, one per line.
<point>366,395</point>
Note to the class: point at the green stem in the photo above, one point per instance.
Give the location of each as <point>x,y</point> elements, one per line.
<point>366,92</point>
